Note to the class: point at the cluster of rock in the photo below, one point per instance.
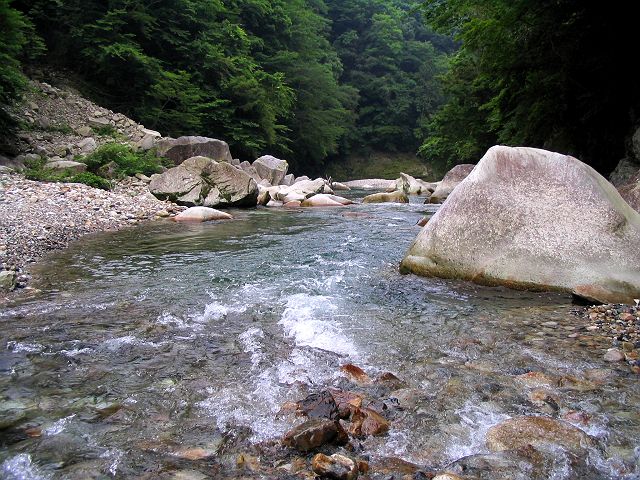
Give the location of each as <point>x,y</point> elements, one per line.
<point>206,175</point>
<point>38,217</point>
<point>529,218</point>
<point>337,420</point>
<point>621,325</point>
<point>61,124</point>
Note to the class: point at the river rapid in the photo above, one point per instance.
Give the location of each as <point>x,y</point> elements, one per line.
<point>150,346</point>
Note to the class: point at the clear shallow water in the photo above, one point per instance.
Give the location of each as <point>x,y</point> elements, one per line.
<point>167,337</point>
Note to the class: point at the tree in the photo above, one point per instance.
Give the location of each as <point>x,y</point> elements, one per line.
<point>549,74</point>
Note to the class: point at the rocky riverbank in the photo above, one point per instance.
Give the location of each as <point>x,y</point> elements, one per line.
<point>37,217</point>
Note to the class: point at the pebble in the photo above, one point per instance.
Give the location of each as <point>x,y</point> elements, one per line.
<point>38,217</point>
<point>614,355</point>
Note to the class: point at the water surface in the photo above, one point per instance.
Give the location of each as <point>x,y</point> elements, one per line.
<point>167,337</point>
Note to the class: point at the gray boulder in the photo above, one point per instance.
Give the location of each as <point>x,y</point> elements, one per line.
<point>200,181</point>
<point>180,149</point>
<point>288,180</point>
<point>529,218</point>
<point>635,144</point>
<point>306,188</point>
<point>87,145</point>
<point>250,170</point>
<point>76,167</point>
<point>450,181</point>
<point>271,169</point>
<point>414,186</point>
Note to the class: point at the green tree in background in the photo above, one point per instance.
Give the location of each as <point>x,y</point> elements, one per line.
<point>551,74</point>
<point>17,41</point>
<point>392,59</point>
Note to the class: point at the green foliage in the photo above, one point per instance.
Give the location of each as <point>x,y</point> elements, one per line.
<point>106,131</point>
<point>548,74</point>
<point>391,59</point>
<point>36,170</point>
<point>17,40</point>
<point>128,161</point>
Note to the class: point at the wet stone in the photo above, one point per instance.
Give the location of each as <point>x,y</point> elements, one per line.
<point>319,405</point>
<point>613,355</point>
<point>337,467</point>
<point>315,433</point>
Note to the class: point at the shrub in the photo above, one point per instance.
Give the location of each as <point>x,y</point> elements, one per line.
<point>36,171</point>
<point>106,131</point>
<point>129,161</point>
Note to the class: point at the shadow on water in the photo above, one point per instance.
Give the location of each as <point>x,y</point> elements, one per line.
<point>164,338</point>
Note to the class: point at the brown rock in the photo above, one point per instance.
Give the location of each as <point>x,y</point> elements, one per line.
<point>337,467</point>
<point>356,374</point>
<point>319,405</point>
<point>180,149</point>
<point>315,433</point>
<point>366,422</point>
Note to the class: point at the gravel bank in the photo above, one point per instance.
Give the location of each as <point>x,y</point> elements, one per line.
<point>37,217</point>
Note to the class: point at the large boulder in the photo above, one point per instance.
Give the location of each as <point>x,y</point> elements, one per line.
<point>393,197</point>
<point>180,149</point>
<point>271,168</point>
<point>306,188</point>
<point>450,181</point>
<point>200,181</point>
<point>529,218</point>
<point>371,184</point>
<point>414,186</point>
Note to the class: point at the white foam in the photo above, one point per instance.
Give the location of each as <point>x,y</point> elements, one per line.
<point>20,467</point>
<point>476,419</point>
<point>308,319</point>
<point>18,347</point>
<point>59,426</point>
<point>250,340</point>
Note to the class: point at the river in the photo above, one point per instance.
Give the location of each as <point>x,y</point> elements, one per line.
<point>164,338</point>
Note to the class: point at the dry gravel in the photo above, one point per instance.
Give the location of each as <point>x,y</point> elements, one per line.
<point>37,217</point>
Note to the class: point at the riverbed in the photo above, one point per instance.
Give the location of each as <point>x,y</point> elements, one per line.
<point>165,338</point>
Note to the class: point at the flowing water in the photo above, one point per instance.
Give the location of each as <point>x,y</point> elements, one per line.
<point>151,342</point>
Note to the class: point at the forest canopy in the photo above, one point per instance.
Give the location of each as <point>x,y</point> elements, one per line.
<point>318,80</point>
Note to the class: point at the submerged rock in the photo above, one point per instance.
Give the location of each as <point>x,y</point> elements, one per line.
<point>315,433</point>
<point>519,432</point>
<point>529,218</point>
<point>450,181</point>
<point>337,467</point>
<point>392,197</point>
<point>201,214</point>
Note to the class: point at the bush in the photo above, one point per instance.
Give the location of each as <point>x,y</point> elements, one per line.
<point>129,162</point>
<point>36,171</point>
